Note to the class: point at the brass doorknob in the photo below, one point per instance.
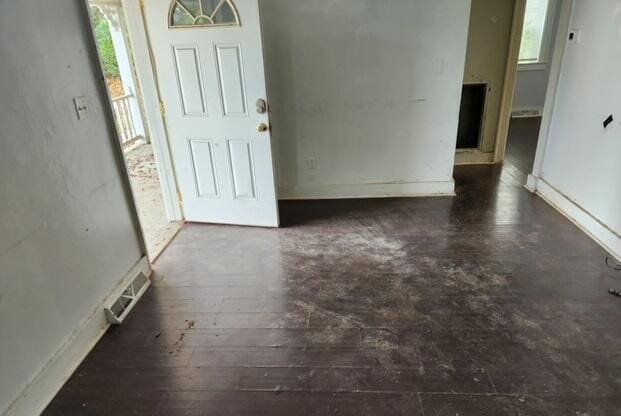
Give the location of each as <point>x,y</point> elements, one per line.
<point>263,128</point>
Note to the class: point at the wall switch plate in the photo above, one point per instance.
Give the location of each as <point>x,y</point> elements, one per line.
<point>81,107</point>
<point>574,36</point>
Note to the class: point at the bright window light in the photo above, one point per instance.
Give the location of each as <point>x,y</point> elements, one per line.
<point>536,31</point>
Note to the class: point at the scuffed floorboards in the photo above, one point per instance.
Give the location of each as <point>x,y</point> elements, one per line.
<point>490,303</point>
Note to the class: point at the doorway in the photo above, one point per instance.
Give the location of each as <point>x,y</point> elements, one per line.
<point>541,24</point>
<point>208,60</point>
<point>136,141</point>
<point>490,60</point>
<point>510,49</point>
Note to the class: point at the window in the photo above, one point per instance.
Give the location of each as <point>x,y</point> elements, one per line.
<point>536,37</point>
<point>199,13</point>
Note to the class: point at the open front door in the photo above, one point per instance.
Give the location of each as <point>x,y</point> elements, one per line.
<point>209,62</point>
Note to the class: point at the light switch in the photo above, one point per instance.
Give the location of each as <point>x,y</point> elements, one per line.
<point>81,107</point>
<point>574,36</point>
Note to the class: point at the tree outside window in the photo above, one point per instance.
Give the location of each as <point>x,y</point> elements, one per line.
<point>536,34</point>
<point>107,53</point>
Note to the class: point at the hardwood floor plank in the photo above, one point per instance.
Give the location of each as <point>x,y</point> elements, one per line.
<point>488,303</point>
<point>336,357</point>
<point>286,404</point>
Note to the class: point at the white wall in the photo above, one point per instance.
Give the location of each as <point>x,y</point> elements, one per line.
<point>530,89</point>
<point>581,166</point>
<point>371,89</point>
<point>67,234</point>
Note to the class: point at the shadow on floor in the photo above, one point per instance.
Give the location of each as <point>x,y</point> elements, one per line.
<point>522,146</point>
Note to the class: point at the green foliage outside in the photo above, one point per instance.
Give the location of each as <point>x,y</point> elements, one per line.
<point>104,41</point>
<point>530,41</point>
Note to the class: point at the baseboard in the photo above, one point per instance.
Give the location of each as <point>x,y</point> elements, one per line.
<point>368,190</point>
<point>531,183</point>
<point>45,385</point>
<point>597,230</point>
<point>527,112</point>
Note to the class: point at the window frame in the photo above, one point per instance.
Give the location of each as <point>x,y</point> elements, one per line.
<point>545,49</point>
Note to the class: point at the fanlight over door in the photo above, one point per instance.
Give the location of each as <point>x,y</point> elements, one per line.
<point>188,13</point>
<point>210,75</point>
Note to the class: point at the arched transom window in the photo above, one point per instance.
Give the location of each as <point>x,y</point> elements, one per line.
<point>193,13</point>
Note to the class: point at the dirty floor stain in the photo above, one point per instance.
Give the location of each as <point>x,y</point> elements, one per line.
<point>489,303</point>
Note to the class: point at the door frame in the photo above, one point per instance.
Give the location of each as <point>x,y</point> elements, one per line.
<point>467,156</point>
<point>153,106</point>
<point>558,53</point>
<point>115,137</point>
<point>508,92</point>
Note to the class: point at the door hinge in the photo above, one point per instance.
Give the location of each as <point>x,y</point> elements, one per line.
<point>162,108</point>
<point>142,4</point>
<point>180,197</point>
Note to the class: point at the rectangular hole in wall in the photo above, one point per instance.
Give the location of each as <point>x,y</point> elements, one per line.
<point>471,116</point>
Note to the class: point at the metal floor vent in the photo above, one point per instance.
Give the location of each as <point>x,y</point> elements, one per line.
<point>119,310</point>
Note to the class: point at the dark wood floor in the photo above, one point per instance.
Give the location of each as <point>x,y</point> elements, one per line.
<point>521,147</point>
<point>489,303</point>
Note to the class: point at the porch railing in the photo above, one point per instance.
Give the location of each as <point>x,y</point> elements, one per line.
<point>122,107</point>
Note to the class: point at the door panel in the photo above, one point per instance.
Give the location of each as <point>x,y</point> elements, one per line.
<point>231,80</point>
<point>208,78</point>
<point>242,169</point>
<point>204,166</point>
<point>189,78</point>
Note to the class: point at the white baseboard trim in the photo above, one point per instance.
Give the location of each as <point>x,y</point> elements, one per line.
<point>368,190</point>
<point>594,228</point>
<point>46,384</point>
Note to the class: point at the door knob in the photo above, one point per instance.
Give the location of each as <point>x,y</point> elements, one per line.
<point>263,127</point>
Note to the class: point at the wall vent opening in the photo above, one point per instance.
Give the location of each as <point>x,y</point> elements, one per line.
<point>120,308</point>
<point>471,116</point>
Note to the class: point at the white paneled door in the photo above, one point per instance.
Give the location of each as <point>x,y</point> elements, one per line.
<point>209,62</point>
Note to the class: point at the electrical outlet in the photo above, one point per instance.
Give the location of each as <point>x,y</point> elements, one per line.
<point>311,163</point>
<point>81,107</point>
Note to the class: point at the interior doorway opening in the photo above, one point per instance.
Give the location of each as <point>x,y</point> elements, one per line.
<point>510,50</point>
<point>143,167</point>
<point>540,38</point>
<point>491,59</point>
